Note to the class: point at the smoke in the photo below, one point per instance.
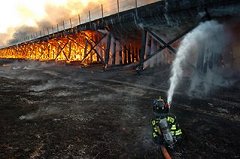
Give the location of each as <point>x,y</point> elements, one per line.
<point>202,51</point>
<point>4,36</point>
<point>21,33</point>
<point>29,18</point>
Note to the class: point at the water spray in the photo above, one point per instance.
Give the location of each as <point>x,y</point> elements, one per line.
<point>207,36</point>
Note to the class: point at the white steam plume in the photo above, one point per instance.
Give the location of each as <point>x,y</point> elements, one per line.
<point>207,36</point>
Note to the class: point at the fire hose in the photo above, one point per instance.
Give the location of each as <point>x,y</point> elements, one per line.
<point>165,153</point>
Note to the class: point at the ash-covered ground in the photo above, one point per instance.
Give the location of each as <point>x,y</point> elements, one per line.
<point>52,110</point>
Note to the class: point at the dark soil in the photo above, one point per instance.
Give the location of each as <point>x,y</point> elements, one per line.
<point>57,111</point>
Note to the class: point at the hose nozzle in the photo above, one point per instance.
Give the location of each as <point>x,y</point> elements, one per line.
<point>167,105</point>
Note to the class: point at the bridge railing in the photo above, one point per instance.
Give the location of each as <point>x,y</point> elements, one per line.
<point>96,12</point>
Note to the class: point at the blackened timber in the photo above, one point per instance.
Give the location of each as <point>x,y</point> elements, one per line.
<point>125,54</point>
<point>148,45</point>
<point>137,54</point>
<point>146,17</point>
<point>90,40</point>
<point>65,56</point>
<point>98,59</point>
<point>120,55</point>
<point>142,52</point>
<point>85,47</point>
<point>114,53</point>
<point>133,53</point>
<point>170,42</point>
<point>182,34</point>
<point>129,55</point>
<point>91,56</point>
<point>156,37</point>
<point>108,48</point>
<point>98,55</point>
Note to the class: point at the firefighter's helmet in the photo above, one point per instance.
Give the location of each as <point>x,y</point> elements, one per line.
<point>160,108</point>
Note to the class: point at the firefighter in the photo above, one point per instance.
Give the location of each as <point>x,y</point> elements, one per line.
<point>165,129</point>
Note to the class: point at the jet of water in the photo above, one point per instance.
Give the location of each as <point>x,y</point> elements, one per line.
<point>193,44</point>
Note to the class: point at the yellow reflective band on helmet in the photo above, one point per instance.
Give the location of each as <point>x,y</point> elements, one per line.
<point>178,132</point>
<point>170,119</point>
<point>173,127</point>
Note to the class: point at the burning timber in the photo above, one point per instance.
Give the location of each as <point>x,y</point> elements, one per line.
<point>50,110</point>
<point>136,36</point>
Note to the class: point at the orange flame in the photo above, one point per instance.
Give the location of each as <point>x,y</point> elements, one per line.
<point>70,48</point>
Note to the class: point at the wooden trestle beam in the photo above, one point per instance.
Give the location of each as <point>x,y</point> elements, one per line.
<point>83,47</point>
<point>144,56</point>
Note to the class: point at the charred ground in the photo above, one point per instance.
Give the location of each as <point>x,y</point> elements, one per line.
<point>57,111</point>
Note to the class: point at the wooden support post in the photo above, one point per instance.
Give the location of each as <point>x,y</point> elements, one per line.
<point>98,59</point>
<point>133,54</point>
<point>114,53</point>
<point>139,52</point>
<point>129,55</point>
<point>125,54</point>
<point>120,55</point>
<point>91,56</point>
<point>98,50</point>
<point>108,48</point>
<point>148,46</point>
<point>53,54</point>
<point>142,52</point>
<point>85,48</point>
<point>70,50</point>
<point>49,47</point>
<point>153,46</point>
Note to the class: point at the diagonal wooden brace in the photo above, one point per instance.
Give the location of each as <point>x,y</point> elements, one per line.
<point>92,48</point>
<point>165,45</point>
<point>59,52</point>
